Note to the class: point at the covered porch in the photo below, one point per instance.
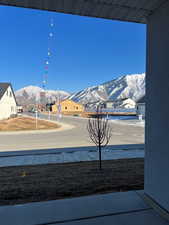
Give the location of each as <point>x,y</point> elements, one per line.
<point>154,13</point>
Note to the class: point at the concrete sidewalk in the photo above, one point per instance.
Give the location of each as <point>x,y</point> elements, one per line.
<point>124,208</point>
<point>88,153</point>
<point>124,147</point>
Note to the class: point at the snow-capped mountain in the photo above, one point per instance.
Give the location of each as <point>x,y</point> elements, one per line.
<point>128,86</point>
<point>32,94</point>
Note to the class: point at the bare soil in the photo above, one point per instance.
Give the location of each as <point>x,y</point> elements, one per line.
<point>23,184</point>
<point>25,123</point>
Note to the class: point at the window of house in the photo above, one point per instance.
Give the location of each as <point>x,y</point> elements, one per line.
<point>10,94</point>
<point>65,107</point>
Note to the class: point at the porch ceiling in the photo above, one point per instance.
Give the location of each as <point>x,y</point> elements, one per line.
<point>124,10</point>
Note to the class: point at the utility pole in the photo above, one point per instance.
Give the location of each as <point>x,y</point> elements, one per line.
<point>36,118</point>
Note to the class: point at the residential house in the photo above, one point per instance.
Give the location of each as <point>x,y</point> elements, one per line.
<point>128,103</point>
<point>68,107</point>
<point>140,108</point>
<point>108,104</point>
<point>8,104</point>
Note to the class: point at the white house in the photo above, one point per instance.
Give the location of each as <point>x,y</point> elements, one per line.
<point>141,107</point>
<point>128,103</point>
<point>8,104</point>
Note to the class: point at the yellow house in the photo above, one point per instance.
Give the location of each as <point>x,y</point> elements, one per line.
<point>68,107</point>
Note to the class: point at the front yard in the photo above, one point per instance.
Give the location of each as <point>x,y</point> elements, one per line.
<point>26,123</point>
<point>23,184</point>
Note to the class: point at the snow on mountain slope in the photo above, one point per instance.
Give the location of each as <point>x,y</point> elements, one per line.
<point>31,91</point>
<point>31,94</point>
<point>128,86</point>
<point>92,94</point>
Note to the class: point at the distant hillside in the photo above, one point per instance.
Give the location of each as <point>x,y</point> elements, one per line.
<point>31,95</point>
<point>128,86</point>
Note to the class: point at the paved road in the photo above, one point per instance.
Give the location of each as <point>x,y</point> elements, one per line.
<point>76,137</point>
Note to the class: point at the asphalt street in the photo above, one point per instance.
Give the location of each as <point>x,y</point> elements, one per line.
<point>123,133</point>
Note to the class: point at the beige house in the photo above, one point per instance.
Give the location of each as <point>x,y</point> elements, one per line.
<point>8,105</point>
<point>68,106</point>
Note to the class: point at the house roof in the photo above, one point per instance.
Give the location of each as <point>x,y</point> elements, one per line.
<point>3,88</point>
<point>70,100</point>
<point>141,100</point>
<point>124,10</point>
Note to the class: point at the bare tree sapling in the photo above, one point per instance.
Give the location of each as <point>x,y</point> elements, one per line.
<point>100,131</point>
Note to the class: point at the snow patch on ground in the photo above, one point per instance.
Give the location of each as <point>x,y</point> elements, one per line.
<point>74,156</point>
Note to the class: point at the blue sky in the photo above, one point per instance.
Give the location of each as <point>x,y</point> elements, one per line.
<point>86,51</point>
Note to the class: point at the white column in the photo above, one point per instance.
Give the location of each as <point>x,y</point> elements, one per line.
<point>157,108</point>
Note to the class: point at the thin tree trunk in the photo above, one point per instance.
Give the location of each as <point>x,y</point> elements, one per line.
<point>100,157</point>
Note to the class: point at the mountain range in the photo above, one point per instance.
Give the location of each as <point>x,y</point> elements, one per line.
<point>127,86</point>
<point>32,95</point>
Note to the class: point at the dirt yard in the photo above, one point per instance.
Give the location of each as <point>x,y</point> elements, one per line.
<point>24,184</point>
<point>25,123</point>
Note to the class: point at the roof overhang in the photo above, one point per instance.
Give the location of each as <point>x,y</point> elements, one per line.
<point>124,10</point>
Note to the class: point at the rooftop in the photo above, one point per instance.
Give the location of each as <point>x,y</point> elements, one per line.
<point>3,88</point>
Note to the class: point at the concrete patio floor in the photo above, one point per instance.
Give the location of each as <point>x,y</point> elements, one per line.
<point>122,208</point>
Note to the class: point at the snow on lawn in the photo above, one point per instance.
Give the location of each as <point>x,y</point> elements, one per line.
<point>64,157</point>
